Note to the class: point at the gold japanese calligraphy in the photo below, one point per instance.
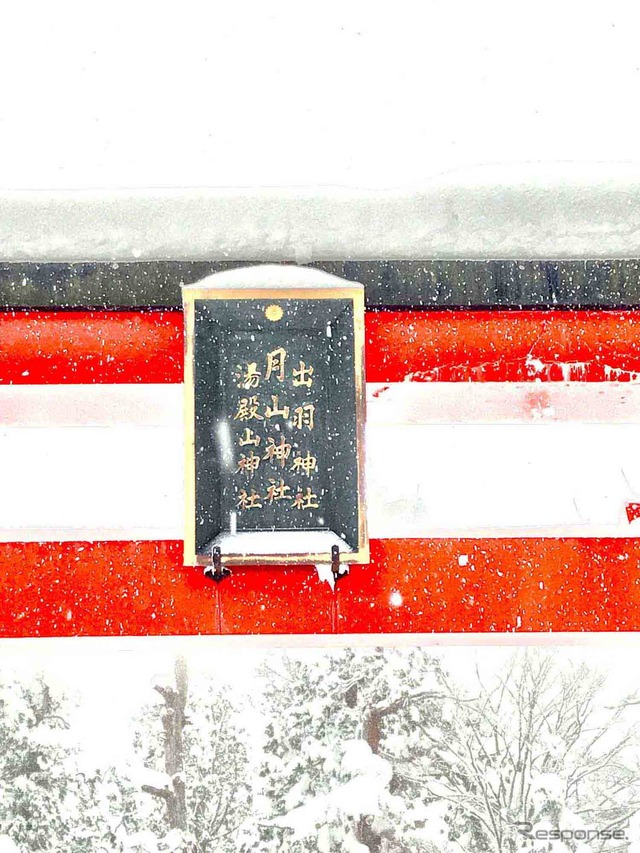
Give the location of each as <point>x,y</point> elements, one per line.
<point>249,437</point>
<point>305,500</point>
<point>275,364</point>
<point>249,378</point>
<point>277,491</point>
<point>248,409</point>
<point>302,376</point>
<point>305,464</point>
<point>279,452</point>
<point>249,463</point>
<point>276,411</point>
<point>303,416</point>
<point>251,501</point>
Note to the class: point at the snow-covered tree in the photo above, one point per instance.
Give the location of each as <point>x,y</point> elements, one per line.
<point>342,729</point>
<point>36,764</point>
<point>196,767</point>
<point>535,747</point>
<point>383,751</point>
<point>49,801</point>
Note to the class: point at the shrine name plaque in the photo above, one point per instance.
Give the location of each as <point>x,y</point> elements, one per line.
<point>274,404</point>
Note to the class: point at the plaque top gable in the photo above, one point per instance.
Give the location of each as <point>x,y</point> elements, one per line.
<point>270,277</point>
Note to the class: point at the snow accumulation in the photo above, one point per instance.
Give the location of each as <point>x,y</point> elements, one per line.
<point>152,778</point>
<point>269,276</point>
<point>361,794</point>
<point>497,138</point>
<point>269,542</point>
<point>325,573</point>
<point>497,212</point>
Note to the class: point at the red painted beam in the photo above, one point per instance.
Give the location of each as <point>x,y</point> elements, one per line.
<point>39,348</point>
<point>450,346</point>
<point>411,585</point>
<point>140,588</point>
<point>503,346</point>
<point>521,585</point>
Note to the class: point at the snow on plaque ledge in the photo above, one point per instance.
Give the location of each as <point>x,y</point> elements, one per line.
<point>559,210</point>
<point>271,276</point>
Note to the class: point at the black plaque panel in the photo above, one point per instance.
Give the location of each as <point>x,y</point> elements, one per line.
<point>275,418</point>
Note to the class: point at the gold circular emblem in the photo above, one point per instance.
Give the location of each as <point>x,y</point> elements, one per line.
<point>273,313</point>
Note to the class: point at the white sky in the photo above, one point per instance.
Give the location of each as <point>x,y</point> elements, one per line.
<point>356,93</point>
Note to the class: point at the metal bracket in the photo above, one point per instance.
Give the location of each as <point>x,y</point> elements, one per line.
<point>335,565</point>
<point>216,571</point>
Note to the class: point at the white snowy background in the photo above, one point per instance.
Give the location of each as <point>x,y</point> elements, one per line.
<point>407,129</point>
<point>279,93</point>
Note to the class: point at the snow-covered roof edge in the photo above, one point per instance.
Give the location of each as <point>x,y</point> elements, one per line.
<point>271,276</point>
<point>550,213</point>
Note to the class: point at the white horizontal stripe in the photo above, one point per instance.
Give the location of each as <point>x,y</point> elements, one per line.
<point>393,403</point>
<point>105,462</point>
<point>503,402</point>
<point>108,482</point>
<point>502,479</point>
<point>90,405</point>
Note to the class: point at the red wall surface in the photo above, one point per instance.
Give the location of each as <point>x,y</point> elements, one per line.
<point>411,585</point>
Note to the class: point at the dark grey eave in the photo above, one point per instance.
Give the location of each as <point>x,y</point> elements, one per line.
<point>388,283</point>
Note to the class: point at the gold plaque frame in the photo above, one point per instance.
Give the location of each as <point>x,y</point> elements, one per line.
<point>193,293</point>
